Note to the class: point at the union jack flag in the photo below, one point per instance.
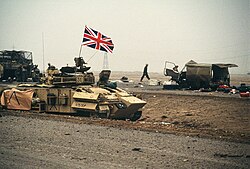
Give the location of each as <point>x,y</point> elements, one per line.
<point>96,40</point>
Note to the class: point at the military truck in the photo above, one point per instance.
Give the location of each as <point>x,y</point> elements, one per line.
<point>199,75</point>
<point>18,65</point>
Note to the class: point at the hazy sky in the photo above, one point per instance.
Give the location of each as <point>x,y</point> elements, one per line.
<point>143,31</point>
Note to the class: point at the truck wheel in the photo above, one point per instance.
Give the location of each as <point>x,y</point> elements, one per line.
<point>196,85</point>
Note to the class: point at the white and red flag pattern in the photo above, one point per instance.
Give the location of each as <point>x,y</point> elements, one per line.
<point>97,40</point>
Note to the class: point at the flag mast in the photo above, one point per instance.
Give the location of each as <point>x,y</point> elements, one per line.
<point>80,50</point>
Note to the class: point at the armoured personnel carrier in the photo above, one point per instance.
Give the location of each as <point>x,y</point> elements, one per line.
<point>72,90</point>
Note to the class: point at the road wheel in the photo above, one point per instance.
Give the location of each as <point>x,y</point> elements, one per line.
<point>103,115</point>
<point>136,116</point>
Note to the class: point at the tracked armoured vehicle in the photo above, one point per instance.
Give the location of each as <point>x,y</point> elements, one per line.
<point>72,90</point>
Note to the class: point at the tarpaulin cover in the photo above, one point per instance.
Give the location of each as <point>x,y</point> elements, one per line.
<point>202,73</point>
<point>16,99</point>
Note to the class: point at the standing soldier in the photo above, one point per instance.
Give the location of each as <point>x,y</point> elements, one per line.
<point>145,73</point>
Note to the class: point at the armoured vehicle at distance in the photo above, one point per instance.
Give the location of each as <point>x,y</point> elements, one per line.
<point>199,75</point>
<point>71,90</point>
<point>18,65</point>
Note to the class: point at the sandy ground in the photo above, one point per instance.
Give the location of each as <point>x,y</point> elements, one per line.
<point>63,142</point>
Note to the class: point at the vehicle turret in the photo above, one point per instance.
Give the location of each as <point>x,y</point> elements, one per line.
<point>70,75</point>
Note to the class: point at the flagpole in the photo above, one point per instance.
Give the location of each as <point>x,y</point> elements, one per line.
<point>80,51</point>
